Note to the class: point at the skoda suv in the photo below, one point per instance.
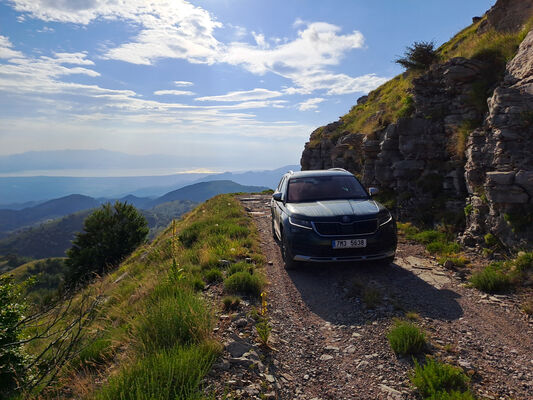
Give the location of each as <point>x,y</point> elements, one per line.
<point>328,216</point>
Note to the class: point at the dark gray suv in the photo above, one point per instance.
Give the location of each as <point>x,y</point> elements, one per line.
<point>328,216</point>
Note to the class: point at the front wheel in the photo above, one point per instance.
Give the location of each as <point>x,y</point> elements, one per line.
<point>286,254</point>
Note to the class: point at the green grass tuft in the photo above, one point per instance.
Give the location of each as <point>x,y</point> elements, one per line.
<point>175,373</point>
<point>214,275</point>
<point>175,315</point>
<point>435,380</point>
<point>245,283</point>
<point>406,338</point>
<point>491,279</point>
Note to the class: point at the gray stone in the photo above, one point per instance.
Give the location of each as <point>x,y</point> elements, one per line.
<point>325,357</point>
<point>238,348</point>
<point>500,178</point>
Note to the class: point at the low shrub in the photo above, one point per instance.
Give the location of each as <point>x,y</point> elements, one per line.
<point>175,373</point>
<point>245,283</point>
<point>438,381</point>
<point>214,275</point>
<point>491,279</point>
<point>406,338</point>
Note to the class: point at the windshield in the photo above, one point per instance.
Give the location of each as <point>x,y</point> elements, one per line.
<point>332,187</point>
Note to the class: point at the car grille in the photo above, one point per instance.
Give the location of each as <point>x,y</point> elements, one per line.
<point>338,229</point>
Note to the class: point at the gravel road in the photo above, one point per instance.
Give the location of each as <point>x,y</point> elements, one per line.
<point>331,345</point>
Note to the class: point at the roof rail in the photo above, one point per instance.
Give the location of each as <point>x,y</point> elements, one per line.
<point>337,169</point>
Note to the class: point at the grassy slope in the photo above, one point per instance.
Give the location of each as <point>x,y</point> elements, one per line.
<point>391,100</point>
<point>152,332</point>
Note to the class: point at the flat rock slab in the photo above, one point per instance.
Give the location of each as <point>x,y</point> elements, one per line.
<point>425,269</point>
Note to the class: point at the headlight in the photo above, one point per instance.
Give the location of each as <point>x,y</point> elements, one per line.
<point>300,223</point>
<point>384,217</point>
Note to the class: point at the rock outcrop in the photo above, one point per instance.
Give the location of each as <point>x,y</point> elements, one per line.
<point>499,168</point>
<point>449,155</point>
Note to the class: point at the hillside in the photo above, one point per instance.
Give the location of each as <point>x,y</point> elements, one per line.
<point>202,191</point>
<point>14,219</point>
<point>49,239</point>
<point>151,333</point>
<point>449,142</point>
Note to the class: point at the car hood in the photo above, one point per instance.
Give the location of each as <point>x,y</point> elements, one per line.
<point>329,209</point>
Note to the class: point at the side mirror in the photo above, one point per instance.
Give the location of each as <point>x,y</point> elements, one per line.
<point>277,196</point>
<point>373,191</point>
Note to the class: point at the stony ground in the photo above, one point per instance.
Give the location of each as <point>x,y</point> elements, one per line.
<point>330,324</point>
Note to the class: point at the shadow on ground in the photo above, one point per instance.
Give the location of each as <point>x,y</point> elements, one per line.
<point>336,293</point>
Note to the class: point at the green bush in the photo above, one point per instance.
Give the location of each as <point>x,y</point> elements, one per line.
<point>524,262</point>
<point>175,373</point>
<point>214,275</point>
<point>174,315</point>
<point>245,283</point>
<point>406,338</point>
<point>419,56</point>
<point>491,279</point>
<point>109,235</point>
<point>435,380</point>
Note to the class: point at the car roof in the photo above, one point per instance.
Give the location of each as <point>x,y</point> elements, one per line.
<point>319,172</point>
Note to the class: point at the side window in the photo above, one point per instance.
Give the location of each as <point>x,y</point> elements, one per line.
<point>284,187</point>
<point>280,185</point>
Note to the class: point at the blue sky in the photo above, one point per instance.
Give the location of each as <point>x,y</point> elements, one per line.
<point>239,84</point>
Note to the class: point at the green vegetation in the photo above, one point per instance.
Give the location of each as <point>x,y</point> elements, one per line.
<point>491,279</point>
<point>504,275</point>
<point>11,261</point>
<point>214,275</point>
<point>49,239</point>
<point>263,329</point>
<point>231,303</point>
<point>48,280</point>
<point>419,56</point>
<point>439,242</point>
<point>244,283</point>
<point>437,381</point>
<point>145,317</point>
<point>372,296</point>
<point>110,234</point>
<point>175,373</point>
<point>406,338</point>
<point>13,361</point>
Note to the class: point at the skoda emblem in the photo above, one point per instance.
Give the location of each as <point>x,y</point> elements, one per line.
<point>345,219</point>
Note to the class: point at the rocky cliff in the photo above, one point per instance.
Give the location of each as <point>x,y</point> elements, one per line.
<point>445,154</point>
<point>499,167</point>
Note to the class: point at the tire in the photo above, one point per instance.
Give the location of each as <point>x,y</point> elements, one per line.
<point>386,262</point>
<point>273,230</point>
<point>287,255</point>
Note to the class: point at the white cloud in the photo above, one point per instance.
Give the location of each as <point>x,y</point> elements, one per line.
<point>310,104</point>
<point>6,49</point>
<point>174,92</point>
<point>248,95</point>
<point>183,83</point>
<point>177,29</point>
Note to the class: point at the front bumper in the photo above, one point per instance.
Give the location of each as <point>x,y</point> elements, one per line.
<point>308,246</point>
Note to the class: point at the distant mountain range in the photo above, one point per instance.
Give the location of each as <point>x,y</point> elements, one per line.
<point>86,159</point>
<point>36,189</point>
<point>46,230</point>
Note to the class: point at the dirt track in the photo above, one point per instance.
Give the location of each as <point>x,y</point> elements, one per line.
<point>330,345</point>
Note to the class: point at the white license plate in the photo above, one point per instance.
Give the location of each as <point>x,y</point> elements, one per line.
<point>349,244</point>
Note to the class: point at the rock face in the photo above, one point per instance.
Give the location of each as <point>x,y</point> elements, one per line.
<point>449,152</point>
<point>411,156</point>
<point>499,168</point>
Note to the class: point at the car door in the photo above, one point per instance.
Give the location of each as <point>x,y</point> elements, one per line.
<point>276,208</point>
